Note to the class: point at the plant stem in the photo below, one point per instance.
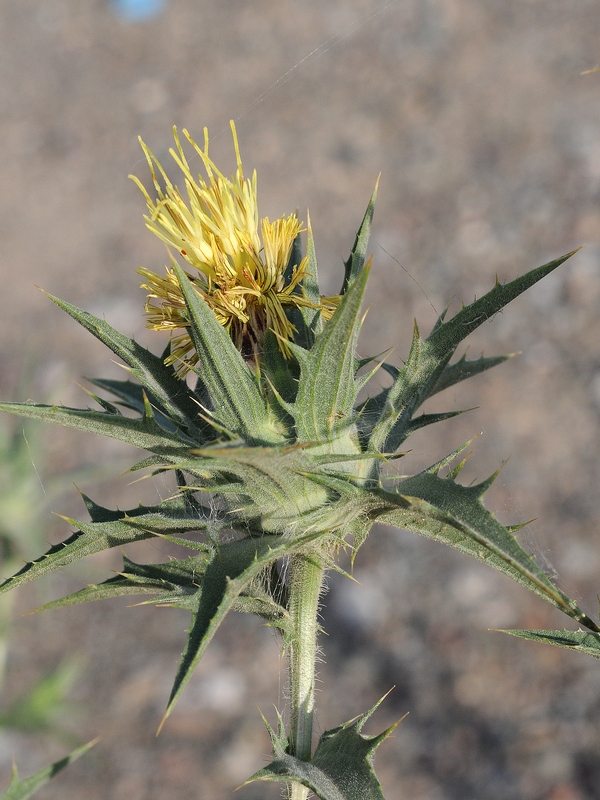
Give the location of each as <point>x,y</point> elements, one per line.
<point>306,580</point>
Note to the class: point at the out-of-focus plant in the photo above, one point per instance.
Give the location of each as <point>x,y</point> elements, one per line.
<point>22,788</point>
<point>26,489</point>
<point>278,465</point>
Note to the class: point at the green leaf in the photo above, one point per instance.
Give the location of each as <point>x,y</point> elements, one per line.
<point>446,336</point>
<point>22,788</point>
<point>428,359</point>
<point>402,399</point>
<point>160,381</point>
<point>462,370</point>
<point>236,398</point>
<point>430,419</point>
<point>174,583</point>
<point>445,511</point>
<point>144,433</point>
<point>179,583</point>
<point>294,259</point>
<point>231,577</point>
<point>234,567</point>
<point>341,768</point>
<point>371,410</point>
<point>131,395</point>
<point>279,370</point>
<point>358,255</point>
<point>582,641</point>
<point>308,321</point>
<point>313,318</point>
<point>326,391</point>
<point>94,537</point>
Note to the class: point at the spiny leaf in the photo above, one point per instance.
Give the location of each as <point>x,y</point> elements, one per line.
<point>428,358</point>
<point>403,398</point>
<point>582,641</point>
<point>358,255</point>
<point>444,462</point>
<point>131,395</point>
<point>144,433</point>
<point>259,602</point>
<point>180,583</point>
<point>430,419</point>
<point>278,369</point>
<point>448,512</point>
<point>161,381</point>
<point>118,586</point>
<point>174,583</point>
<point>308,321</point>
<point>310,284</point>
<point>234,566</point>
<point>279,739</point>
<point>368,414</point>
<point>341,768</point>
<point>23,788</point>
<point>94,537</point>
<point>110,408</point>
<point>448,335</point>
<point>236,398</point>
<point>326,391</point>
<point>463,369</point>
<point>294,259</point>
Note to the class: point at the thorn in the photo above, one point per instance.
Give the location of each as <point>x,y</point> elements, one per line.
<point>162,722</point>
<point>434,469</point>
<point>577,249</point>
<point>514,528</point>
<point>453,474</point>
<point>69,520</point>
<point>482,487</point>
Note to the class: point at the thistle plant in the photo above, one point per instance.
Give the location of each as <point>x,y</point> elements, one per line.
<point>260,408</point>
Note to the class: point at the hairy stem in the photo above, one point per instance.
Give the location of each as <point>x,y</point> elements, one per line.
<point>306,580</point>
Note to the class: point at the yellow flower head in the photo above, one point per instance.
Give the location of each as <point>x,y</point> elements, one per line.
<point>240,273</point>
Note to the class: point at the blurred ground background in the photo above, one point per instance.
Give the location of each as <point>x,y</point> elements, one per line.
<point>488,140</point>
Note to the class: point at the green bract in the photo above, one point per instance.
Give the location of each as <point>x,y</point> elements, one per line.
<point>278,449</point>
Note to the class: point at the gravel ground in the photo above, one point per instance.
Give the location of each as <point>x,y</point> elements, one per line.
<point>488,140</point>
